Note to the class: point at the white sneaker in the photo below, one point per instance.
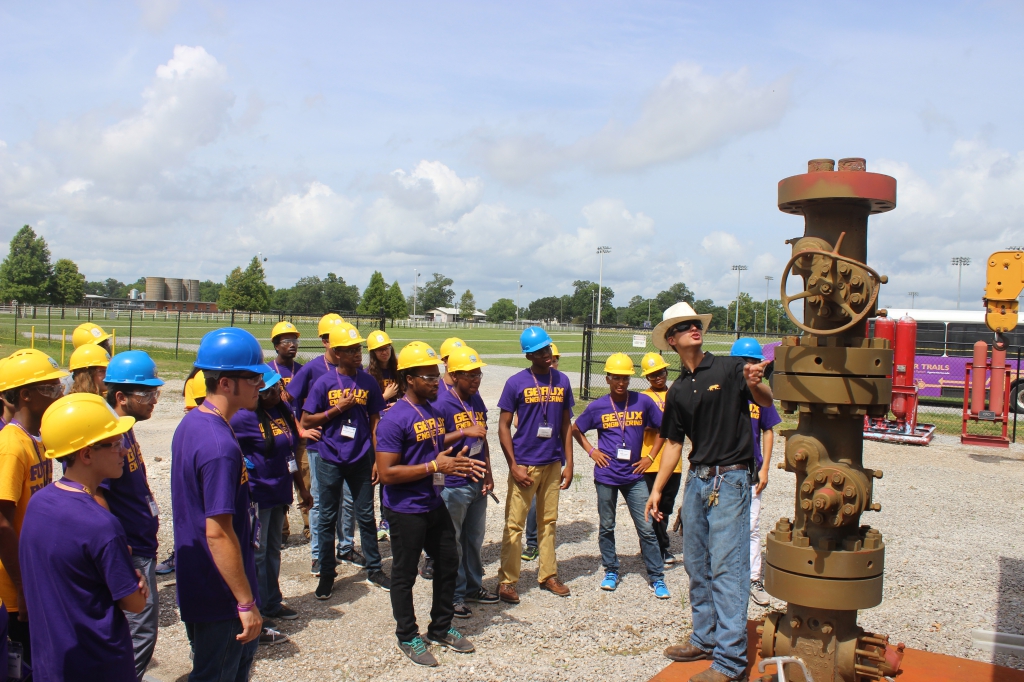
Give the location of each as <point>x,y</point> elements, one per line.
<point>758,595</point>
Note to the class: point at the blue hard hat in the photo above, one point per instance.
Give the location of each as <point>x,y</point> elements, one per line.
<point>230,349</point>
<point>132,367</point>
<point>270,377</point>
<point>533,339</point>
<point>747,347</point>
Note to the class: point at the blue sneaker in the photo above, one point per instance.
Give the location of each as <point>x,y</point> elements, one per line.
<point>610,582</point>
<point>659,589</point>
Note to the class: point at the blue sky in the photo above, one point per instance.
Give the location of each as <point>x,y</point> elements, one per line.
<point>505,141</point>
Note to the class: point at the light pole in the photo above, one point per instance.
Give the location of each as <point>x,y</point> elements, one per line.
<point>601,250</point>
<point>739,270</point>
<point>518,288</point>
<point>913,296</point>
<point>593,297</point>
<point>767,285</point>
<point>959,262</point>
<point>648,311</point>
<point>415,287</point>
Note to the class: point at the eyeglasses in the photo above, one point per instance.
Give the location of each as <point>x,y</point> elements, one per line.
<point>429,379</point>
<point>251,379</point>
<point>351,350</point>
<point>469,377</point>
<point>146,396</point>
<point>105,446</point>
<point>684,327</point>
<point>619,377</point>
<point>287,342</point>
<point>53,391</point>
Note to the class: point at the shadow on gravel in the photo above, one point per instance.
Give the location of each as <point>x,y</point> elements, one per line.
<point>1010,611</point>
<point>992,459</point>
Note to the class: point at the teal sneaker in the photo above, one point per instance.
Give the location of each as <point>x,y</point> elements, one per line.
<point>454,641</point>
<point>610,582</point>
<point>417,652</point>
<point>659,589</point>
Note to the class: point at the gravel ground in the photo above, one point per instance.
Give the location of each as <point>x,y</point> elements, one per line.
<point>949,519</point>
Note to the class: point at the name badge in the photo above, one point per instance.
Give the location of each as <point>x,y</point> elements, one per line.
<point>439,480</point>
<point>348,431</point>
<point>543,432</point>
<point>476,448</point>
<point>14,660</point>
<point>624,454</point>
<point>153,509</point>
<point>292,466</point>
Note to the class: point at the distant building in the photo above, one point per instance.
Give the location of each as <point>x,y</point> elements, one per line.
<point>162,293</point>
<point>452,315</point>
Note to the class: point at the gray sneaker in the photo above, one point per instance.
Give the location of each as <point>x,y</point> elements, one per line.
<point>758,595</point>
<point>454,641</point>
<point>417,652</point>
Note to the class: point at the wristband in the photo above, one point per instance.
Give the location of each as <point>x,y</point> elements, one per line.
<point>648,456</point>
<point>590,453</point>
<point>434,462</point>
<point>247,607</point>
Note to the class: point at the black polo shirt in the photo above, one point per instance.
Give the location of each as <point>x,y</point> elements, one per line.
<point>711,407</point>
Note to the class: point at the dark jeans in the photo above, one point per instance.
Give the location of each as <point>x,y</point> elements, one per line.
<point>635,496</point>
<point>330,478</point>
<point>668,501</point>
<point>531,525</point>
<point>17,630</point>
<point>434,532</point>
<point>216,655</point>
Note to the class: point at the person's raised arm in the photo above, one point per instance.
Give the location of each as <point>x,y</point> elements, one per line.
<point>391,471</point>
<point>227,557</point>
<point>760,391</point>
<point>311,421</point>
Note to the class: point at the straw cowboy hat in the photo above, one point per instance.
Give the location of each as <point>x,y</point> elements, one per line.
<point>680,312</point>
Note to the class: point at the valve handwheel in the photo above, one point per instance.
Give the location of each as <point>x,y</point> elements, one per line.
<point>827,288</point>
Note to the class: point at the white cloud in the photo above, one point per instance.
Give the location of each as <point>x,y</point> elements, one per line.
<point>156,14</point>
<point>689,112</point>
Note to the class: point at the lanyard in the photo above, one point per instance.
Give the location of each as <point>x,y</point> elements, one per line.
<point>659,403</point>
<point>277,367</point>
<point>213,409</point>
<point>287,430</point>
<point>355,385</point>
<point>434,431</point>
<point>620,419</point>
<point>73,485</point>
<point>472,413</point>
<point>130,435</point>
<point>35,441</point>
<point>544,399</point>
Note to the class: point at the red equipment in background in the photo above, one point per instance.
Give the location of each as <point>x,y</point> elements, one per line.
<point>904,428</point>
<point>998,400</point>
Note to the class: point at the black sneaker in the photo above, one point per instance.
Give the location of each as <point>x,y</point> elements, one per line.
<point>270,636</point>
<point>380,579</point>
<point>462,611</point>
<point>482,596</point>
<point>417,652</point>
<point>284,613</point>
<point>352,557</point>
<point>314,569</point>
<point>454,641</point>
<point>427,572</point>
<point>530,553</point>
<point>325,588</point>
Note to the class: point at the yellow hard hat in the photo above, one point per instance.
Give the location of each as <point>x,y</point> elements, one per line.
<point>651,363</point>
<point>344,334</point>
<point>87,332</point>
<point>88,355</point>
<point>417,354</point>
<point>619,363</point>
<point>283,327</point>
<point>77,421</point>
<point>327,323</point>
<point>29,366</point>
<point>195,388</point>
<point>554,351</point>
<point>464,359</point>
<point>375,340</point>
<point>450,344</point>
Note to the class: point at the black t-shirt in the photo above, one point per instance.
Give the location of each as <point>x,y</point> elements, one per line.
<point>710,406</point>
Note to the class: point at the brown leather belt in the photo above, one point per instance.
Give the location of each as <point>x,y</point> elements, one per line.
<point>716,470</point>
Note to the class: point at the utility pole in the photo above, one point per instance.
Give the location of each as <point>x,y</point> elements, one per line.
<point>959,262</point>
<point>518,289</point>
<point>601,250</point>
<point>767,285</point>
<point>913,297</point>
<point>415,287</point>
<point>648,311</point>
<point>739,271</point>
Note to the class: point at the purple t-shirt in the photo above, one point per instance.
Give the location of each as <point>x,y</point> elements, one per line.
<point>208,478</point>
<point>616,431</point>
<point>132,502</point>
<point>335,445</point>
<point>287,373</point>
<point>270,482</point>
<point>762,419</point>
<point>527,396</point>
<point>75,566</point>
<point>407,432</point>
<point>457,416</point>
<point>301,384</point>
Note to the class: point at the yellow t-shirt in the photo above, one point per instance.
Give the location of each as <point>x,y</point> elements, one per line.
<point>23,471</point>
<point>651,434</point>
<point>190,401</point>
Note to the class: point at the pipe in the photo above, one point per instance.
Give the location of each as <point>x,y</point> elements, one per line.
<point>995,388</point>
<point>978,377</point>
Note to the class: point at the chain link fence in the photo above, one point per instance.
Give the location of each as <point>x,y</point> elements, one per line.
<point>162,334</point>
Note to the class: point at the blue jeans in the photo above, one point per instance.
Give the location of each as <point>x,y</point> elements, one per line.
<point>331,479</point>
<point>531,525</point>
<point>716,554</point>
<point>216,655</point>
<point>635,495</point>
<point>468,509</point>
<point>268,557</point>
<point>346,520</point>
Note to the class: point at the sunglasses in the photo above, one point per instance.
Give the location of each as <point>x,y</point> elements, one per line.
<point>53,391</point>
<point>433,379</point>
<point>106,446</point>
<point>351,350</point>
<point>684,327</point>
<point>251,379</point>
<point>146,396</point>
<point>470,377</point>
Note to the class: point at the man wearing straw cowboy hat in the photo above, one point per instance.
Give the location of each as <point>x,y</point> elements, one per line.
<point>708,404</point>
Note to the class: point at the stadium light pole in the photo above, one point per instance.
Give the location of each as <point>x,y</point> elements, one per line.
<point>767,286</point>
<point>913,297</point>
<point>739,270</point>
<point>518,289</point>
<point>601,250</point>
<point>415,288</point>
<point>959,262</point>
